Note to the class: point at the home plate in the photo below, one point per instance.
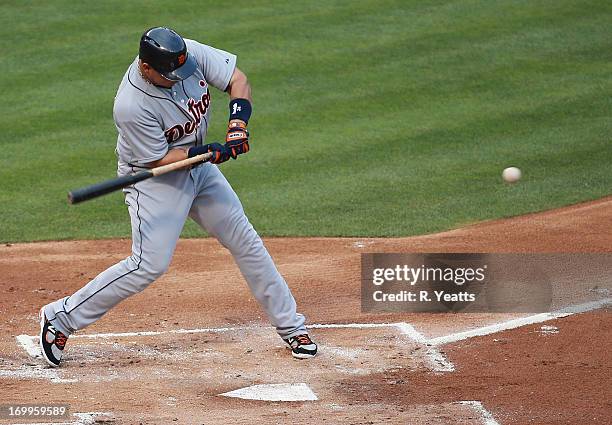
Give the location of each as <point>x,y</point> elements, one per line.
<point>274,392</point>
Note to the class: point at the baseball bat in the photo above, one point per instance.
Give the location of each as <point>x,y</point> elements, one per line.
<point>108,186</point>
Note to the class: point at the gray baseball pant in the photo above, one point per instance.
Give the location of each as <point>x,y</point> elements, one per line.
<point>158,209</point>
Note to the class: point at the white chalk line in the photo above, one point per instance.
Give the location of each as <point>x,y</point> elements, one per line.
<point>29,344</point>
<point>487,417</point>
<point>437,359</point>
<point>517,323</point>
<point>406,328</point>
<point>35,372</point>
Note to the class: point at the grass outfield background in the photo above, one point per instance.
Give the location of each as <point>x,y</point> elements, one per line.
<point>372,118</point>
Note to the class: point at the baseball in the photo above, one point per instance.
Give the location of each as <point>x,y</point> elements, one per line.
<point>511,175</point>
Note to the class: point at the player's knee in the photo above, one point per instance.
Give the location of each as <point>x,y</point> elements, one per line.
<point>150,268</point>
<point>242,235</point>
<point>156,269</point>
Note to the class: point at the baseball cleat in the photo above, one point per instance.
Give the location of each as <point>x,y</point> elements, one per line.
<point>302,347</point>
<point>52,341</point>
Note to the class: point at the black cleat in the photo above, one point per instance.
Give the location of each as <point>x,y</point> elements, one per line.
<point>52,341</point>
<point>302,347</point>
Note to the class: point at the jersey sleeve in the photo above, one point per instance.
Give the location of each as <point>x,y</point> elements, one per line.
<point>216,65</point>
<point>142,136</point>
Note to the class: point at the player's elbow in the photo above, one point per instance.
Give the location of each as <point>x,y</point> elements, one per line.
<point>239,85</point>
<point>154,164</point>
<point>240,77</point>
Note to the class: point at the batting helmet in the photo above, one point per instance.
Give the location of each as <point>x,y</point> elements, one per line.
<point>166,52</point>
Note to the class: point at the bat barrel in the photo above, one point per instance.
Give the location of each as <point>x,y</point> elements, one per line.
<point>108,186</point>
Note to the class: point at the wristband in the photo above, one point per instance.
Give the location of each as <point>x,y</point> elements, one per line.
<point>240,109</point>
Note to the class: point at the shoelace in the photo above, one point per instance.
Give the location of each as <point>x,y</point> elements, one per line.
<point>60,339</point>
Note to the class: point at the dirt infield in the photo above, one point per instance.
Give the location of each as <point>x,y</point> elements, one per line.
<point>212,338</point>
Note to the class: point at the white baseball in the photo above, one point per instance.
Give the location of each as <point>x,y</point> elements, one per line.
<point>511,175</point>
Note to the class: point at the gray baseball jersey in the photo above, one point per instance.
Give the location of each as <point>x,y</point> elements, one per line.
<point>150,120</point>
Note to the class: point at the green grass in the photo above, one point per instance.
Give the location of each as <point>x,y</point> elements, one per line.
<point>372,118</point>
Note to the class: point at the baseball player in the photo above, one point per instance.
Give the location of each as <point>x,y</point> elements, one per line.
<point>162,112</point>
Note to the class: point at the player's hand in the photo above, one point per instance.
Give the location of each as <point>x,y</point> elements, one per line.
<point>237,138</point>
<point>220,152</point>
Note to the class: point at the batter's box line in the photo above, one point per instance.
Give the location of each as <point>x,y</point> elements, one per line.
<point>437,359</point>
<point>487,417</point>
<point>520,322</point>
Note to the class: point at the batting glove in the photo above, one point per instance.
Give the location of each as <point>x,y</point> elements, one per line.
<point>237,139</point>
<point>220,153</point>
